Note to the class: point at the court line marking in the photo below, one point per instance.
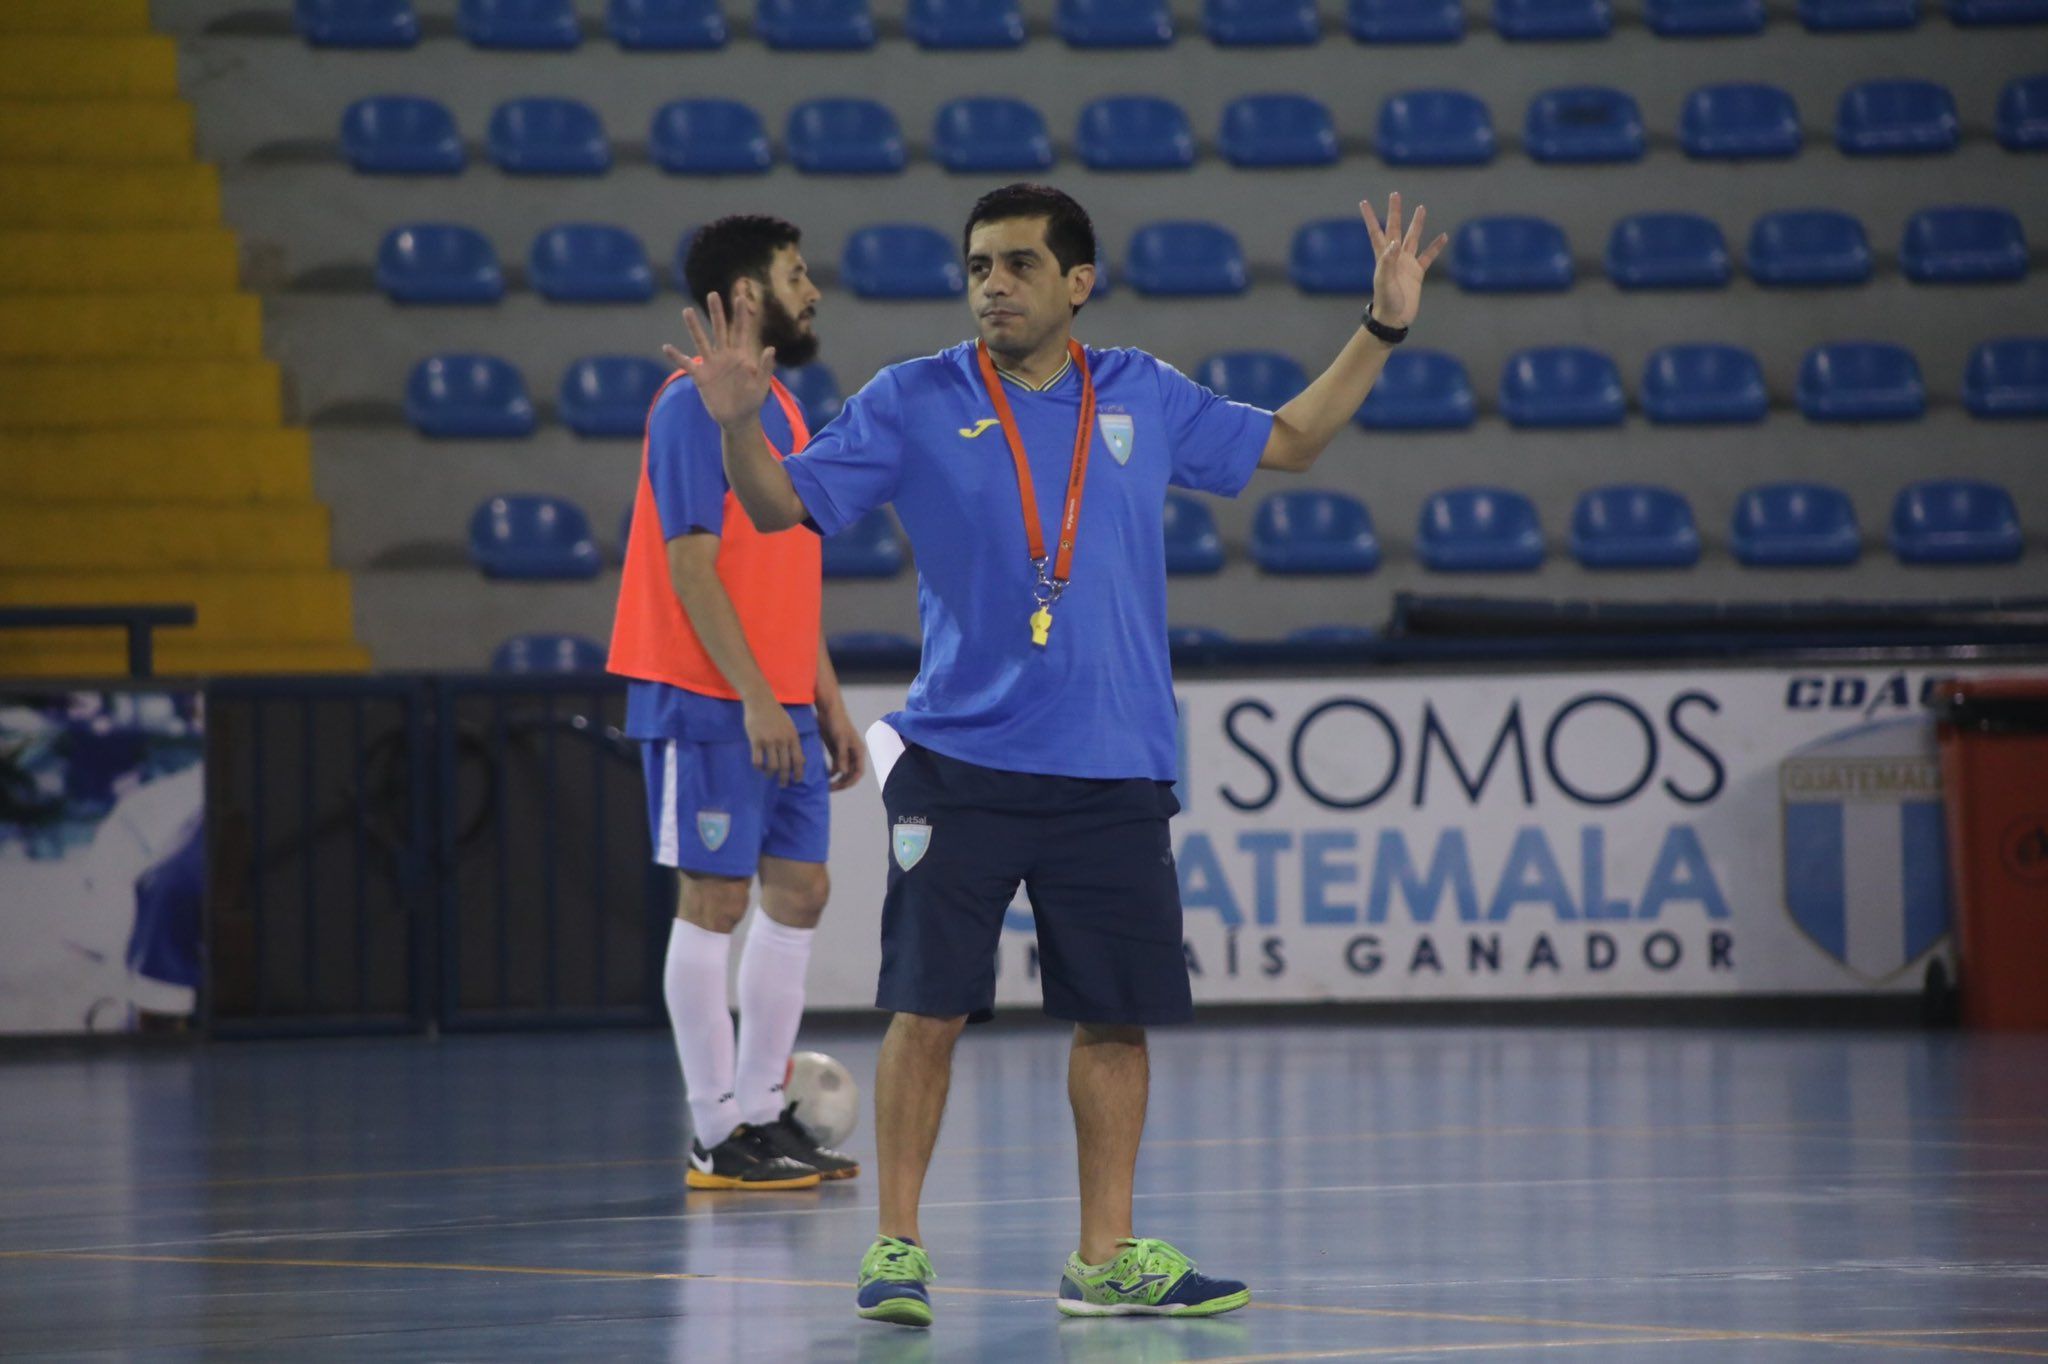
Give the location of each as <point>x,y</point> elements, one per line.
<point>1476,1347</point>
<point>1630,1332</point>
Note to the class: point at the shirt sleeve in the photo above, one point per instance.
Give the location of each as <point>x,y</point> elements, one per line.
<point>850,468</point>
<point>1216,443</point>
<point>685,465</point>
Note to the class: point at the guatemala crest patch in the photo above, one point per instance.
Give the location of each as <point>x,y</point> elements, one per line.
<point>713,826</point>
<point>1118,432</point>
<point>912,838</point>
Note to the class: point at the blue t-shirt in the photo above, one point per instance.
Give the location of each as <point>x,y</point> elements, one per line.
<point>1098,701</point>
<point>687,472</point>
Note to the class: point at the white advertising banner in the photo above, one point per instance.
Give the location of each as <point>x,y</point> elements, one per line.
<point>1699,831</point>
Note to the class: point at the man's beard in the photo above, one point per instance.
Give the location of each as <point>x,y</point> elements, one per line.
<point>794,347</point>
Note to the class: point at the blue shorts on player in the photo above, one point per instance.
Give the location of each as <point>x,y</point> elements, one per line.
<point>711,811</point>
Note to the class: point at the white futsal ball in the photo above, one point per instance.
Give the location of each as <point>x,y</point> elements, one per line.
<point>826,1098</point>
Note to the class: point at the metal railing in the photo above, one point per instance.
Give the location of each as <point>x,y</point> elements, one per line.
<point>139,621</point>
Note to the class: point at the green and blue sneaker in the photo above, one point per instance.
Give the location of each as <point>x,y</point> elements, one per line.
<point>1149,1278</point>
<point>893,1275</point>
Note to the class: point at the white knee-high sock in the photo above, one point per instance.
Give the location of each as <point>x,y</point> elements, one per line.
<point>693,982</point>
<point>772,966</point>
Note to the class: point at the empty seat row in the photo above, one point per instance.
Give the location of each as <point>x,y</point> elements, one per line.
<point>848,25</point>
<point>409,134</point>
<point>465,395</point>
<point>533,536</point>
<point>552,655</point>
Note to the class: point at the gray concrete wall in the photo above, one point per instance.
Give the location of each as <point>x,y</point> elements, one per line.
<point>268,108</point>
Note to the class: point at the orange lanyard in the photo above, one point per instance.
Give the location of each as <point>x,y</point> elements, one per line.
<point>1048,587</point>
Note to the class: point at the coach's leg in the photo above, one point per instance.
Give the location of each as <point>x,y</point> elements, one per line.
<point>1109,1076</point>
<point>911,1081</point>
<point>771,981</point>
<point>708,908</point>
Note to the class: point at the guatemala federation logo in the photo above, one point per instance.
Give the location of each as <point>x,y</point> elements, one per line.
<point>1118,431</point>
<point>1866,851</point>
<point>912,838</point>
<point>713,826</point>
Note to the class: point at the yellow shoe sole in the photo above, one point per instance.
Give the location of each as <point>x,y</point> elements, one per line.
<point>698,1179</point>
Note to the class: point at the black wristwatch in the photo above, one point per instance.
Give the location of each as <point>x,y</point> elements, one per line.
<point>1393,336</point>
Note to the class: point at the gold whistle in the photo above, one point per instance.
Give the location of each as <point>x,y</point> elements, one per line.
<point>1041,625</point>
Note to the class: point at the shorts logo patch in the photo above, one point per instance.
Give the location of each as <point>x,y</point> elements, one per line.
<point>713,826</point>
<point>913,837</point>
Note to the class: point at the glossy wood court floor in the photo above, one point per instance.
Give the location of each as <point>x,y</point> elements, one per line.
<point>1391,1193</point>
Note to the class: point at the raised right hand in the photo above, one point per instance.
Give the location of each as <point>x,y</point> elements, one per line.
<point>778,749</point>
<point>731,378</point>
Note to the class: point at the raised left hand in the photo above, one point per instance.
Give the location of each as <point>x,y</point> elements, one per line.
<point>1399,266</point>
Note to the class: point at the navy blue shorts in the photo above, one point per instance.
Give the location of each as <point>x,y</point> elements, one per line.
<point>1095,858</point>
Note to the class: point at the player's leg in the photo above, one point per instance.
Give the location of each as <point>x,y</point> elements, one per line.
<point>1106,897</point>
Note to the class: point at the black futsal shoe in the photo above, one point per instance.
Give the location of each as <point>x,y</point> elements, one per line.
<point>788,1137</point>
<point>747,1159</point>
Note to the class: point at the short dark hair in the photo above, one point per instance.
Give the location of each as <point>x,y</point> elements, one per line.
<point>732,248</point>
<point>1068,232</point>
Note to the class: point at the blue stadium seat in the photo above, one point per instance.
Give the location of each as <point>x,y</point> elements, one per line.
<point>902,260</point>
<point>1741,121</point>
<point>1185,258</point>
<point>1113,23</point>
<point>1262,378</point>
<point>1963,245</point>
<point>1704,382</point>
<point>357,23</point>
<point>532,536</point>
<point>1332,256</point>
<point>682,258</point>
<point>2023,114</point>
<point>608,395</point>
<point>873,649</point>
<point>1896,118</point>
<point>991,133</point>
<point>949,24</point>
<point>1261,23</point>
<point>1510,254</point>
<point>871,547</point>
<point>401,135</point>
<point>845,136</point>
<point>1861,381</point>
<point>1278,130</point>
<point>1795,525</point>
<point>1850,16</point>
<point>1420,390</point>
<point>709,137</point>
<point>1479,530</point>
<point>1977,13</point>
<point>1808,246</point>
<point>1704,18</point>
<point>1135,132</point>
<point>1955,521</point>
<point>1333,636</point>
<point>1434,128</point>
<point>1196,639</point>
<point>545,136</point>
<point>1561,386</point>
<point>1668,251</point>
<point>1309,530</point>
<point>548,656</point>
<point>816,390</point>
<point>1406,21</point>
<point>439,263</point>
<point>1584,123</point>
<point>462,394</point>
<point>1634,525</point>
<point>667,25</point>
<point>814,25</point>
<point>2008,378</point>
<point>515,25</point>
<point>1193,547</point>
<point>1551,20</point>
<point>589,263</point>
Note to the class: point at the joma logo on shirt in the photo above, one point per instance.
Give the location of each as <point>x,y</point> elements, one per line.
<point>972,431</point>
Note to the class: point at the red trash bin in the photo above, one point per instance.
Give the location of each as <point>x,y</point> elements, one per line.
<point>1994,774</point>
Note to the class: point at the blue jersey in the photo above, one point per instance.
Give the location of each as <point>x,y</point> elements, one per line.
<point>1098,700</point>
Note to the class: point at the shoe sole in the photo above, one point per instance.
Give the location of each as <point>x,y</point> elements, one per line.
<point>1215,1307</point>
<point>898,1312</point>
<point>839,1174</point>
<point>699,1179</point>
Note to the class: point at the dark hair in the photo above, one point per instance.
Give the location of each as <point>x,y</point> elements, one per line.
<point>740,246</point>
<point>1068,232</point>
